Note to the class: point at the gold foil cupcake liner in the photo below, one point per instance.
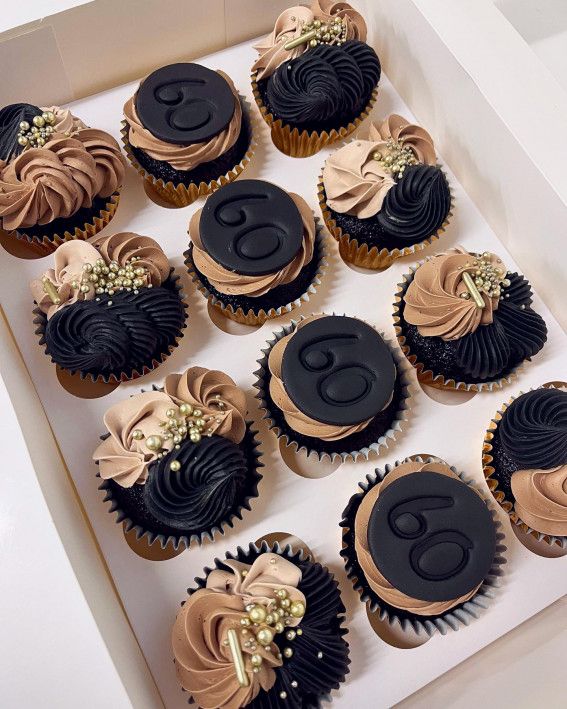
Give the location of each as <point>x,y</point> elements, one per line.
<point>303,144</point>
<point>454,618</point>
<point>427,376</point>
<point>180,542</point>
<point>40,320</point>
<point>259,316</point>
<point>372,257</point>
<point>182,195</point>
<point>491,477</point>
<point>377,447</point>
<point>43,245</point>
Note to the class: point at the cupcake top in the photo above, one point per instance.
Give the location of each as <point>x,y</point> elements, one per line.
<point>471,300</point>
<point>262,630</point>
<point>52,165</point>
<point>393,179</point>
<point>424,539</point>
<point>533,435</point>
<point>109,304</point>
<point>331,376</point>
<point>184,114</point>
<point>337,19</point>
<point>251,237</point>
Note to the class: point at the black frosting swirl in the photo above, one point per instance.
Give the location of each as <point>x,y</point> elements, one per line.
<point>416,206</point>
<point>10,118</point>
<point>116,335</point>
<point>324,83</point>
<point>204,491</point>
<point>533,429</point>
<point>485,352</point>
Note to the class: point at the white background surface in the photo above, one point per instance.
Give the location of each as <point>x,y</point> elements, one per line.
<point>15,14</point>
<point>285,502</point>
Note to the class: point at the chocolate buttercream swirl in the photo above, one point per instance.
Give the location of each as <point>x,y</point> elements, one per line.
<point>96,338</point>
<point>416,206</point>
<point>203,659</point>
<point>325,83</point>
<point>533,429</point>
<point>408,134</point>
<point>216,395</point>
<point>125,245</point>
<point>377,582</point>
<point>232,283</point>
<point>65,122</point>
<point>290,24</point>
<point>184,157</point>
<point>541,499</point>
<point>69,260</point>
<point>55,181</point>
<point>205,489</point>
<point>434,302</point>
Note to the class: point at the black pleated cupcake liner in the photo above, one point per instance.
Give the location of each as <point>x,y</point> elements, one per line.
<point>270,699</point>
<point>259,315</point>
<point>250,446</point>
<point>491,476</point>
<point>181,194</point>
<point>282,430</point>
<point>424,373</point>
<point>40,321</point>
<point>453,619</point>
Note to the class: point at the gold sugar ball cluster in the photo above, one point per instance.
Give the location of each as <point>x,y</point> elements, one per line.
<point>113,277</point>
<point>489,278</point>
<point>261,624</point>
<point>332,32</point>
<point>38,133</point>
<point>395,157</point>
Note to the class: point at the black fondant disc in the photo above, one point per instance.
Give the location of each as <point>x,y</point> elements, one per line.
<point>338,370</point>
<point>251,227</point>
<point>185,103</point>
<point>431,536</point>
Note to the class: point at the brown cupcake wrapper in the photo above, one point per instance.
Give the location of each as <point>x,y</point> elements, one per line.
<point>303,144</point>
<point>39,322</point>
<point>372,257</point>
<point>491,477</point>
<point>376,448</point>
<point>259,316</point>
<point>427,376</point>
<point>182,195</point>
<point>454,618</point>
<point>180,542</point>
<point>45,245</point>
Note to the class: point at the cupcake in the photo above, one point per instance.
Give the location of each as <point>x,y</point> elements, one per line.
<point>315,78</point>
<point>465,322</point>
<point>187,131</point>
<point>179,464</point>
<point>262,629</point>
<point>59,179</point>
<point>421,545</point>
<point>255,251</point>
<point>525,462</point>
<point>385,197</point>
<point>110,308</point>
<point>331,385</point>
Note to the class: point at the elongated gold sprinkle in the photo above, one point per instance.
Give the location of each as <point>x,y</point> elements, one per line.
<point>237,658</point>
<point>51,290</point>
<point>473,290</point>
<point>300,40</point>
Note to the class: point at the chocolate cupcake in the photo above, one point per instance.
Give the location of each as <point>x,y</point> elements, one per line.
<point>187,131</point>
<point>331,385</point>
<point>421,546</point>
<point>180,463</point>
<point>59,179</point>
<point>315,78</point>
<point>465,322</point>
<point>525,462</point>
<point>385,197</point>
<point>110,308</point>
<point>255,251</point>
<point>262,629</point>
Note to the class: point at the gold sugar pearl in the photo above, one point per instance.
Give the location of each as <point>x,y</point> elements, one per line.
<point>297,609</point>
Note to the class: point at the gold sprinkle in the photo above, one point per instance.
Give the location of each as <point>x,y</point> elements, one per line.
<point>237,659</point>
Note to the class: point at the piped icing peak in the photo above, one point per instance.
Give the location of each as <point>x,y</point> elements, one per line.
<point>328,21</point>
<point>147,426</point>
<point>222,659</point>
